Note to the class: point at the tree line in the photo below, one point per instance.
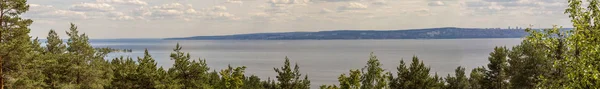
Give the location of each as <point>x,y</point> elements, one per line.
<point>546,58</point>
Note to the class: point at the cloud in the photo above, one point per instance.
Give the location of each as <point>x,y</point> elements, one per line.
<point>325,11</point>
<point>120,16</point>
<point>171,10</point>
<point>100,7</point>
<point>337,0</point>
<point>220,16</point>
<point>436,3</point>
<point>283,6</point>
<point>379,2</point>
<point>219,8</point>
<point>183,12</point>
<point>352,6</point>
<point>288,1</point>
<point>126,2</point>
<point>48,11</point>
<point>510,7</point>
<point>218,13</point>
<point>234,1</point>
<point>422,12</point>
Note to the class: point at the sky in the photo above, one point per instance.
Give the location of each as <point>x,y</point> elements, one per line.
<point>101,19</point>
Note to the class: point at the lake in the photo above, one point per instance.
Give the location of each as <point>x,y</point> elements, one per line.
<point>322,60</point>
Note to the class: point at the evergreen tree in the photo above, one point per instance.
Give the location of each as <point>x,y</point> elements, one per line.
<point>459,81</point>
<point>437,82</point>
<point>214,78</point>
<point>497,75</point>
<point>190,74</point>
<point>232,78</point>
<point>146,72</point>
<point>527,64</point>
<point>289,79</point>
<point>401,81</point>
<point>85,68</point>
<point>373,75</point>
<point>252,82</point>
<point>54,44</point>
<point>418,75</point>
<point>165,81</point>
<point>270,84</point>
<point>125,75</point>
<point>477,78</point>
<point>16,46</point>
<point>329,87</point>
<point>350,82</point>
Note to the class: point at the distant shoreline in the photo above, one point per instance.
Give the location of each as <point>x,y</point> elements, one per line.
<point>332,39</point>
<point>427,33</point>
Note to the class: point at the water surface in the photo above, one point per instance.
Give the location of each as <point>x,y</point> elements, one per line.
<point>322,60</point>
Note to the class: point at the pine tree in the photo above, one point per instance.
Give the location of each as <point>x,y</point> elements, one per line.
<point>84,67</point>
<point>166,81</point>
<point>459,81</point>
<point>252,82</point>
<point>214,78</point>
<point>373,75</point>
<point>401,81</point>
<point>289,79</point>
<point>527,64</point>
<point>329,87</point>
<point>497,75</point>
<point>477,78</point>
<point>352,81</point>
<point>418,75</point>
<point>125,75</point>
<point>53,55</point>
<point>437,82</point>
<point>15,45</point>
<point>146,72</point>
<point>190,74</point>
<point>232,78</point>
<point>54,43</point>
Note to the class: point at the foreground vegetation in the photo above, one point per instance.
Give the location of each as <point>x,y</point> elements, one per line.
<point>547,59</point>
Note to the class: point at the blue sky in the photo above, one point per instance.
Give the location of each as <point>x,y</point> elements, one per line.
<point>182,18</point>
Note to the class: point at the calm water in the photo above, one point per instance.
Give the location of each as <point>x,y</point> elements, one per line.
<point>322,60</point>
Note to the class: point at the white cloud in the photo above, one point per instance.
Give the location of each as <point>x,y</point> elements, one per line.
<point>171,10</point>
<point>495,6</point>
<point>336,0</point>
<point>48,11</point>
<point>288,1</point>
<point>293,15</point>
<point>91,7</point>
<point>509,7</point>
<point>379,2</point>
<point>220,16</point>
<point>218,13</point>
<point>436,3</point>
<point>127,2</point>
<point>352,6</point>
<point>234,1</point>
<point>184,12</point>
<point>219,8</point>
<point>325,11</point>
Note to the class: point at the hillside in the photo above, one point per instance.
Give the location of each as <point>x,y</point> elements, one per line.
<point>429,33</point>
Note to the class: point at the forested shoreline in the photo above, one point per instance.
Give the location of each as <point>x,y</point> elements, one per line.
<point>546,59</point>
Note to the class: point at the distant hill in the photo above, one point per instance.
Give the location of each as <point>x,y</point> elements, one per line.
<point>428,33</point>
